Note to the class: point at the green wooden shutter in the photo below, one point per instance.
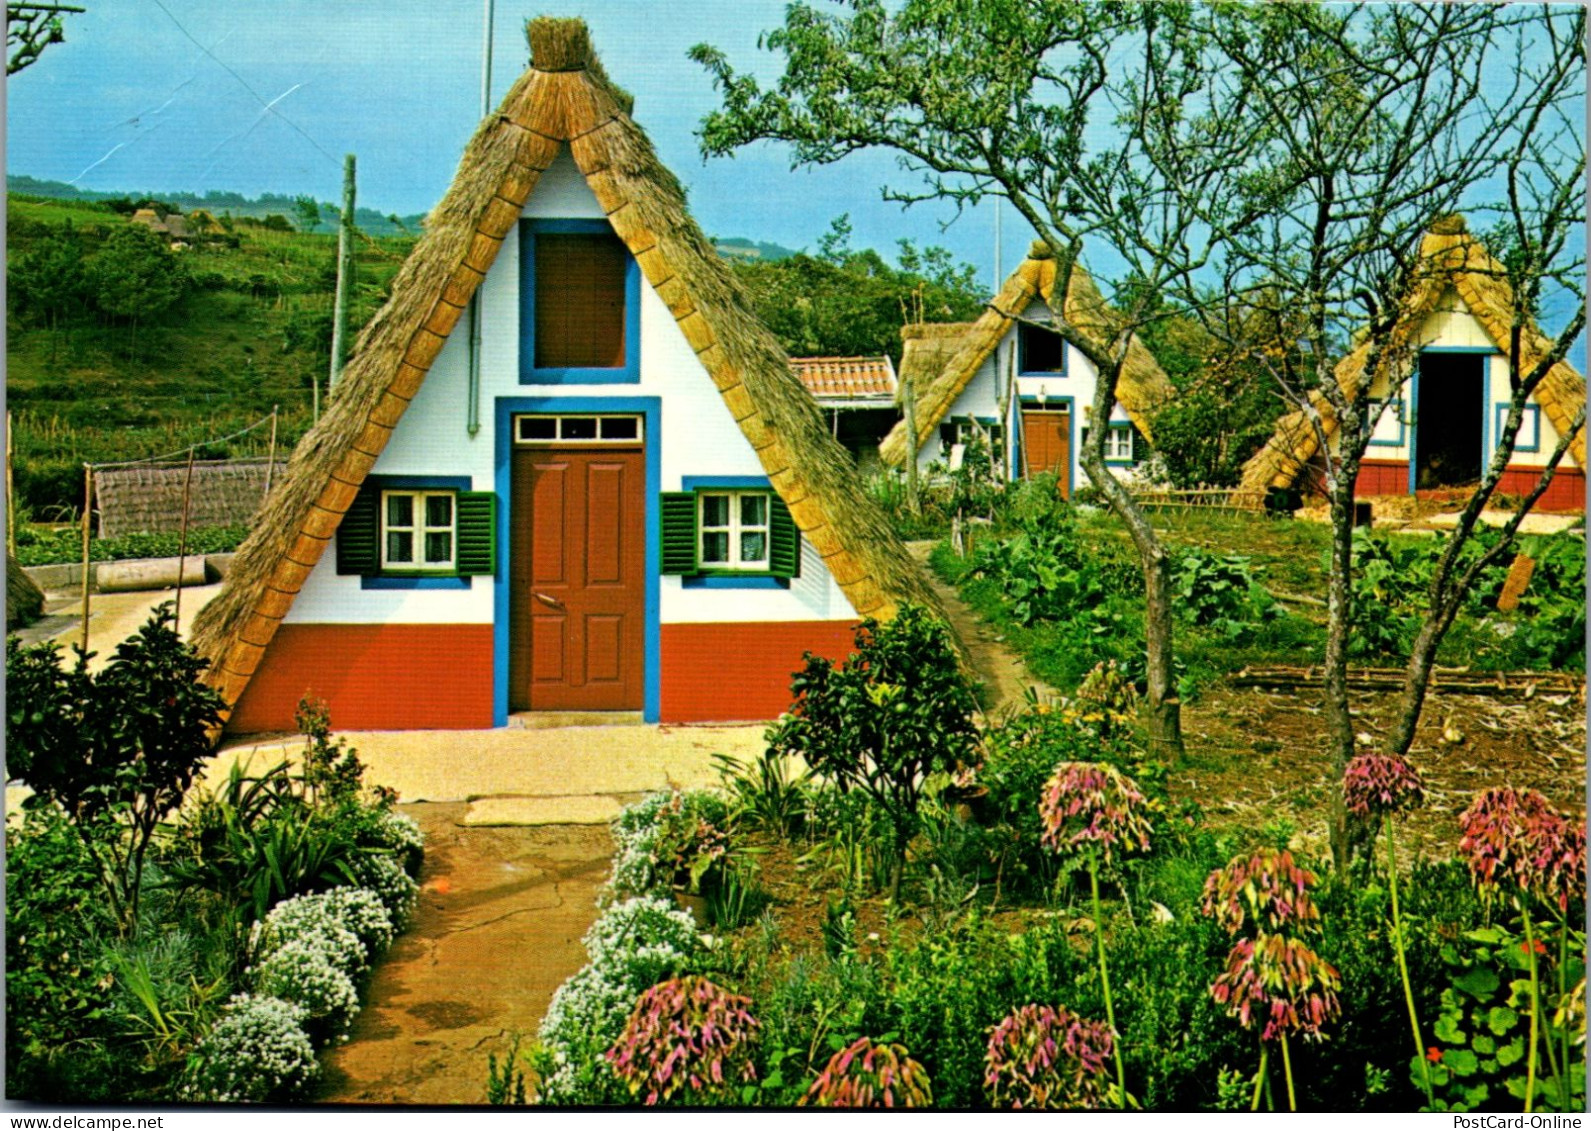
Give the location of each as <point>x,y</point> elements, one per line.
<point>678,523</point>
<point>785,550</point>
<point>1140,445</point>
<point>359,534</point>
<point>477,533</point>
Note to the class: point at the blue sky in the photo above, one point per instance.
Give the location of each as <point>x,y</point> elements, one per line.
<point>398,84</point>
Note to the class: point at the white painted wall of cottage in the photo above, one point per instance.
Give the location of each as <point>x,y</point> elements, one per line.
<point>699,437</point>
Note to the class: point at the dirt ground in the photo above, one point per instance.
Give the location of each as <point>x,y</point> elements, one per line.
<point>497,930</point>
<point>1255,756</point>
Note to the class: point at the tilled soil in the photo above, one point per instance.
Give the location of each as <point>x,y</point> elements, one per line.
<point>497,930</point>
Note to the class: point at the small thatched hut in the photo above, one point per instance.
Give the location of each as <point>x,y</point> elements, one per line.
<point>1444,384</point>
<point>1007,376</point>
<point>624,500</point>
<point>24,599</point>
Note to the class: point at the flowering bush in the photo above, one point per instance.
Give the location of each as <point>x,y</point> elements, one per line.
<point>686,1035</point>
<point>257,1052</point>
<point>1281,982</point>
<point>1376,785</point>
<point>312,917</point>
<point>664,835</point>
<point>868,1075</point>
<point>399,834</point>
<point>1516,837</point>
<point>644,937</point>
<point>1046,1059</point>
<point>393,886</point>
<point>361,911</point>
<point>304,972</point>
<point>1090,803</point>
<point>1265,888</point>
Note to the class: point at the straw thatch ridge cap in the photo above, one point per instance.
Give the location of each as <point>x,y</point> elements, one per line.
<point>645,204</point>
<point>1453,262</point>
<point>558,44</point>
<point>937,364</point>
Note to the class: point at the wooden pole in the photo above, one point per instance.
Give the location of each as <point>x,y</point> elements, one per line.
<point>911,446</point>
<point>345,232</point>
<point>88,506</point>
<point>270,460</point>
<point>11,494</point>
<point>182,544</point>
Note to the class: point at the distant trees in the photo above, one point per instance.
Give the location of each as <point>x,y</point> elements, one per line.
<point>844,302</point>
<point>136,276</point>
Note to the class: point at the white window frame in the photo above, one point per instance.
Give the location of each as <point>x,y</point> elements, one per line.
<point>559,426</point>
<point>420,529</point>
<point>735,528</point>
<point>1117,436</point>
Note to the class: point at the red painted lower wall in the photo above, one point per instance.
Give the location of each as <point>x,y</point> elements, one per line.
<point>373,677</point>
<point>1382,477</point>
<point>1565,493</point>
<point>719,673</point>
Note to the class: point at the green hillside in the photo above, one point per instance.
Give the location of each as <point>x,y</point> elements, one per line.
<point>119,348</point>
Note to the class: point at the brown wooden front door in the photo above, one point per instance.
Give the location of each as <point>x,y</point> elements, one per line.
<point>1047,440</point>
<point>577,607</point>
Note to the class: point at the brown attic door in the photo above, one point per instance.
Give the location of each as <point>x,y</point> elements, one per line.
<point>579,301</point>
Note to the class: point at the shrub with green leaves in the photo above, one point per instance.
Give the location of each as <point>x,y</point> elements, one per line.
<point>898,710</point>
<point>865,1074</point>
<point>258,1052</point>
<point>1218,591</point>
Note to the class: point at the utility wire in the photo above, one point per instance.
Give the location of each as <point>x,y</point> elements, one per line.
<point>257,97</point>
<point>183,451</point>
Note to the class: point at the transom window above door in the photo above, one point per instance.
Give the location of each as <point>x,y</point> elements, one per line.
<point>578,429</point>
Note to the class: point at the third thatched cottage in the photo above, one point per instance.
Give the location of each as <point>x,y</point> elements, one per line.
<point>625,502</point>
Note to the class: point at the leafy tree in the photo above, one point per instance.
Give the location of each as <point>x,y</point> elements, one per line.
<point>115,751</point>
<point>1002,98</point>
<point>1364,128</point>
<point>897,711</point>
<point>30,28</point>
<point>845,303</point>
<point>136,276</point>
<point>306,210</point>
<point>50,279</point>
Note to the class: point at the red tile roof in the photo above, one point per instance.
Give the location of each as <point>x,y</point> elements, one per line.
<point>846,378</point>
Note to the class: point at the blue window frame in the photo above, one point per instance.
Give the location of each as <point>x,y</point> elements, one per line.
<point>1040,353</point>
<point>1529,438</point>
<point>529,374</point>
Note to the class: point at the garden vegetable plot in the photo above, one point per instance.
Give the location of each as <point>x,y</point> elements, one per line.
<point>1038,915</point>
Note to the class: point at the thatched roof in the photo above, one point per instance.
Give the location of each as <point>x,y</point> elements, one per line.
<point>563,99</point>
<point>940,359</point>
<point>24,599</point>
<point>1454,263</point>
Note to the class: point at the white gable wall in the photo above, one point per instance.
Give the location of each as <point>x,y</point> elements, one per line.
<point>699,437</point>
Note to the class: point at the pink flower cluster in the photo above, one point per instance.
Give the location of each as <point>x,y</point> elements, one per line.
<point>1045,1059</point>
<point>1280,981</point>
<point>1272,977</point>
<point>1092,803</point>
<point>867,1075</point>
<point>1265,887</point>
<point>1377,784</point>
<point>685,1035</point>
<point>1516,837</point>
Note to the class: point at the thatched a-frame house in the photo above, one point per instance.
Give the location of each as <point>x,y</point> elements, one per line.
<point>624,501</point>
<point>1009,378</point>
<point>1447,361</point>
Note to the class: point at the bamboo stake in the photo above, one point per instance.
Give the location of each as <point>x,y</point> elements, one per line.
<point>344,271</point>
<point>182,544</point>
<point>88,503</point>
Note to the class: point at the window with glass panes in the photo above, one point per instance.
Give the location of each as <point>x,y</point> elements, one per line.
<point>1118,442</point>
<point>417,529</point>
<point>733,530</point>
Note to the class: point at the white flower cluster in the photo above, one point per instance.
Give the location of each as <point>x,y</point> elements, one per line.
<point>257,1052</point>
<point>400,833</point>
<point>635,834</point>
<point>633,946</point>
<point>304,972</point>
<point>392,885</point>
<point>361,911</point>
<point>310,917</point>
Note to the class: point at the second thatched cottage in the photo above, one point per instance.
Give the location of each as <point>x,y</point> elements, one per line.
<point>625,502</point>
<point>1027,392</point>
